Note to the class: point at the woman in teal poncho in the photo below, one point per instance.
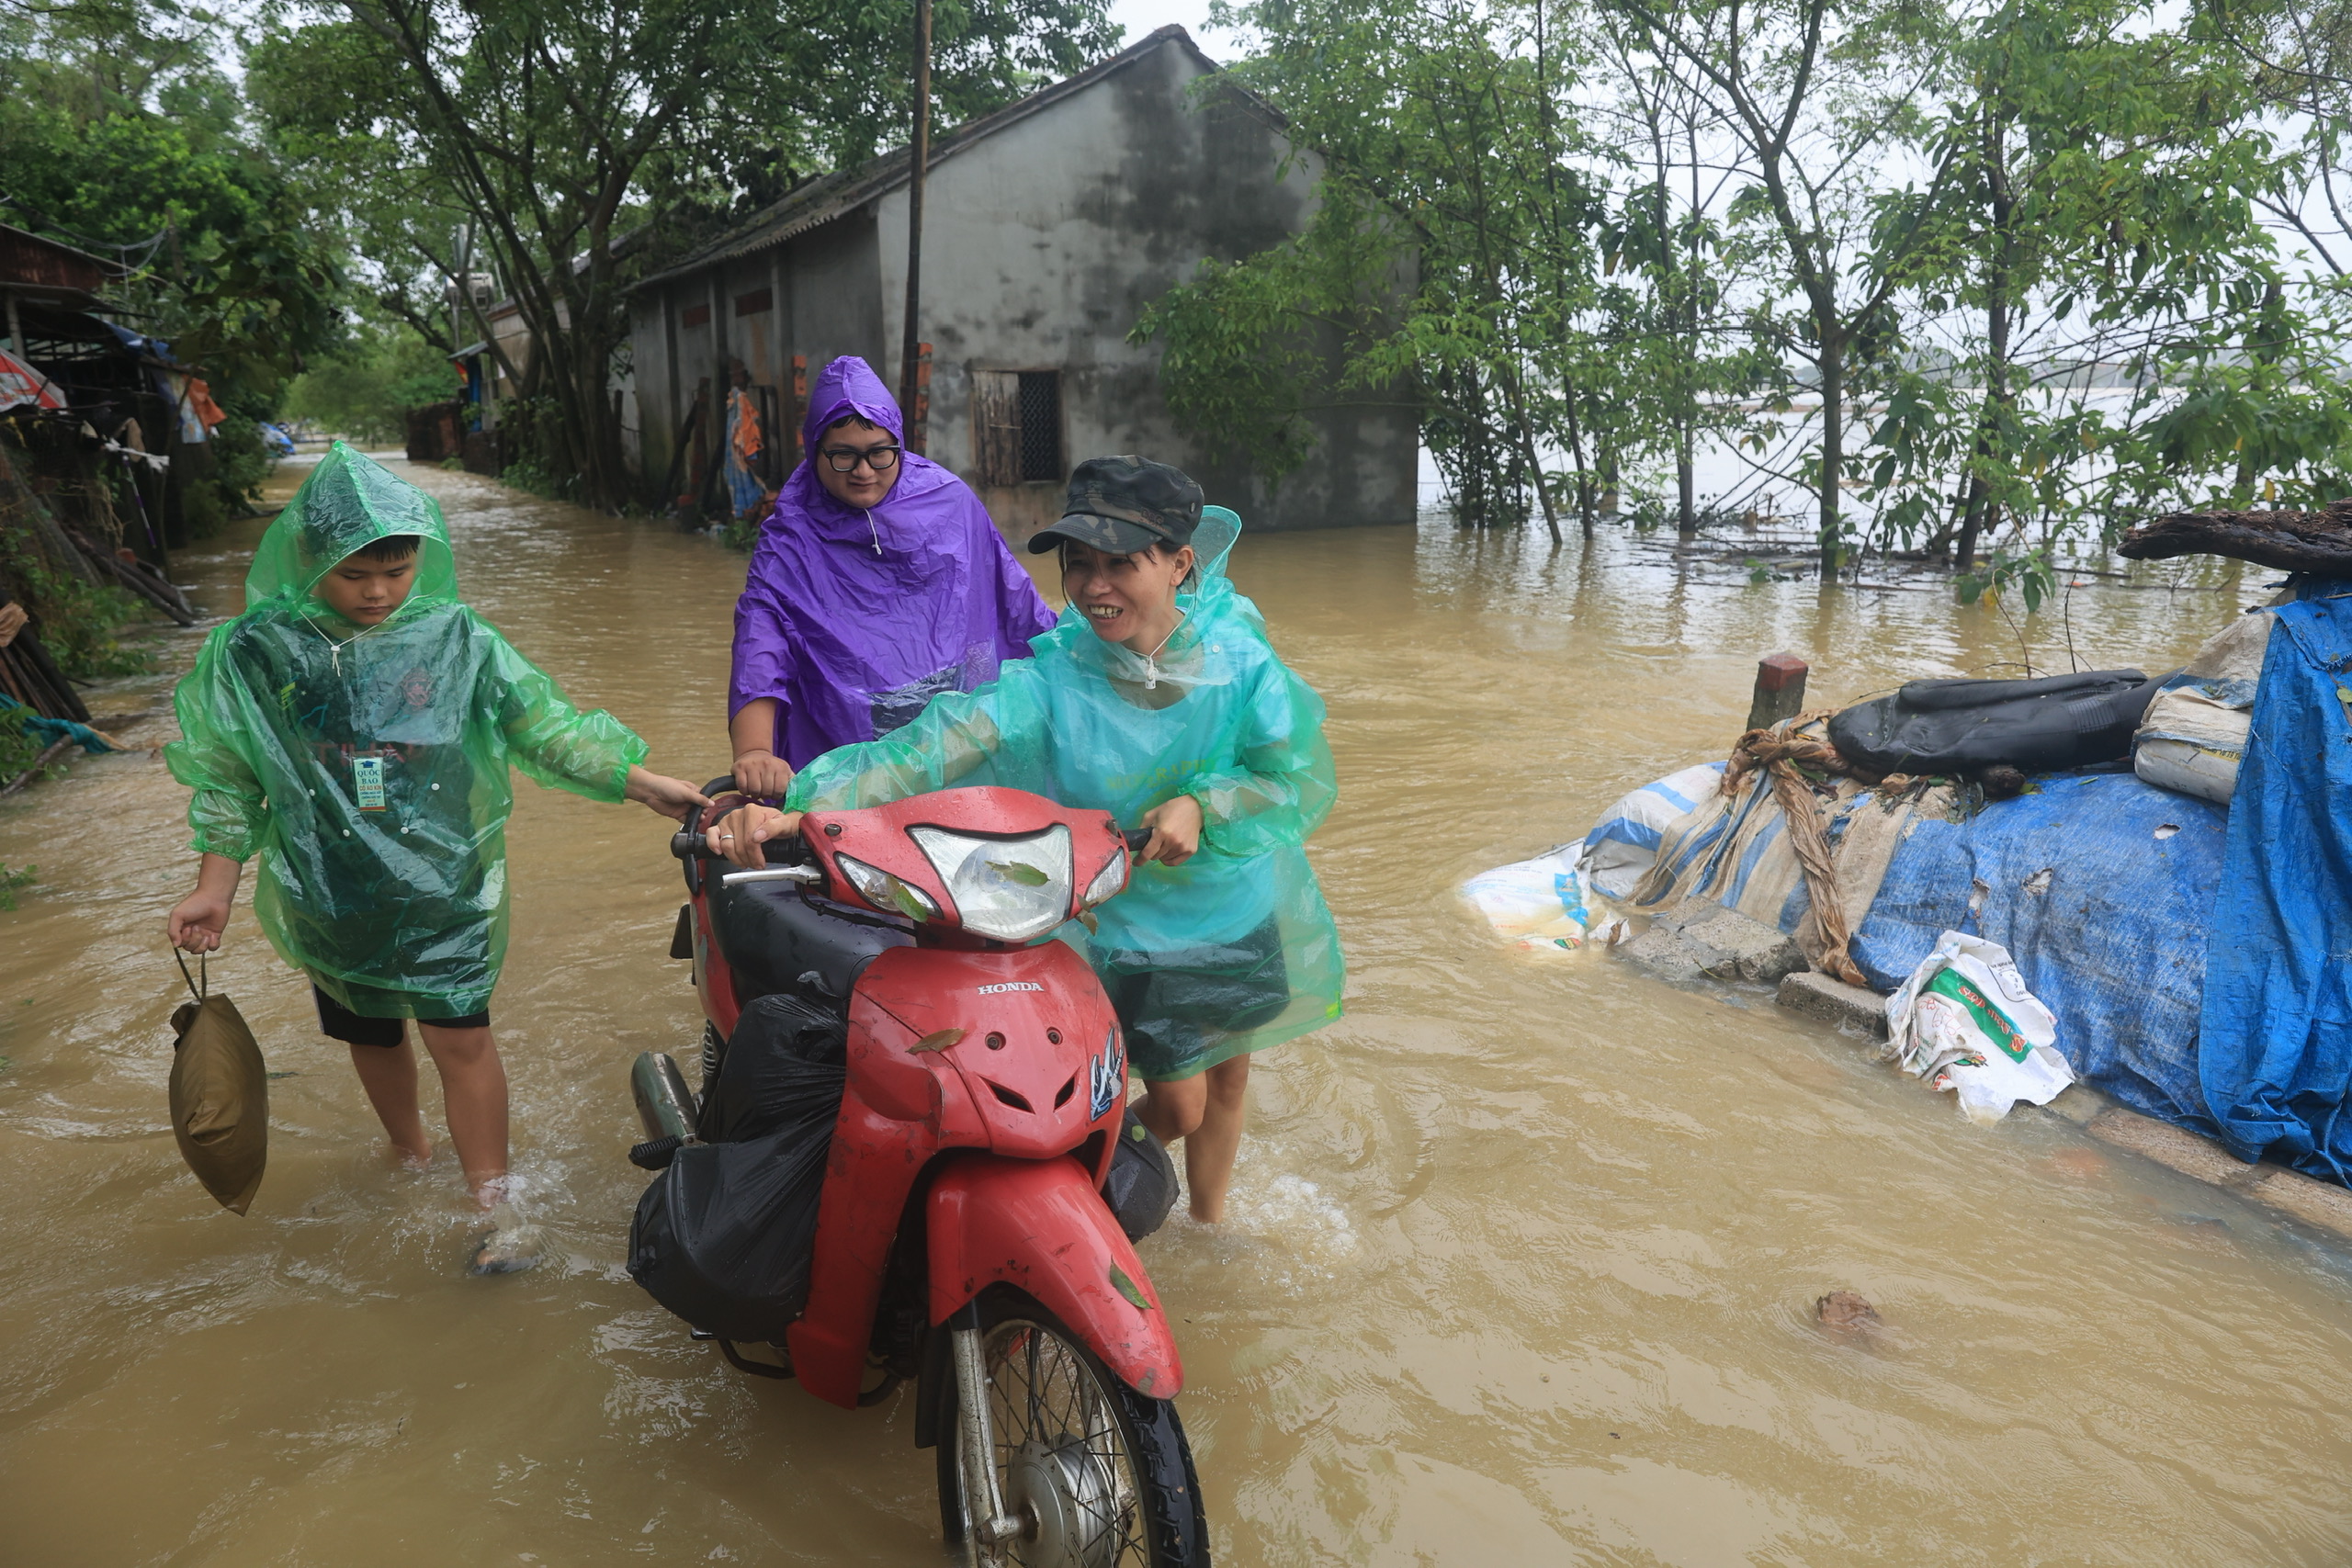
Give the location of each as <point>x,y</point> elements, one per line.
<point>353,728</point>
<point>1159,700</point>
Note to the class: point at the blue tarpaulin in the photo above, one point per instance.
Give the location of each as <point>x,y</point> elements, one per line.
<point>2102,888</point>
<point>2277,1053</point>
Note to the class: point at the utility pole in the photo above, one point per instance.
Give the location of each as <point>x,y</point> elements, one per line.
<point>921,154</point>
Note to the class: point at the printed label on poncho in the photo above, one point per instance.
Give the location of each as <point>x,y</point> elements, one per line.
<point>368,783</point>
<point>1990,1020</point>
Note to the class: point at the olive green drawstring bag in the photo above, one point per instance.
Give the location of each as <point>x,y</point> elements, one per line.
<point>220,1095</point>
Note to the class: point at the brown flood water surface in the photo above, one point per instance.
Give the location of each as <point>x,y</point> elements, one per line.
<point>1523,1257</point>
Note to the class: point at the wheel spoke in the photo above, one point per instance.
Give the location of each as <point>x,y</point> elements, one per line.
<point>1047,1398</point>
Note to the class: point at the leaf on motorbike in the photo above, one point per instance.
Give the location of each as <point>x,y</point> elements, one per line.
<point>1130,1289</point>
<point>937,1040</point>
<point>1086,918</point>
<point>1016,871</point>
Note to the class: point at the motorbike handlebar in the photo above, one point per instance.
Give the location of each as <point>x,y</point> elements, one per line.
<point>695,846</point>
<point>778,852</point>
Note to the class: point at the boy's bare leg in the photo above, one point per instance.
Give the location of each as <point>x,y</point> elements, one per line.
<point>388,1075</point>
<point>473,1098</point>
<point>1206,1111</point>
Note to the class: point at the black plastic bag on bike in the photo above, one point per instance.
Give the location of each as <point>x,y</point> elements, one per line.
<point>763,1081</point>
<point>1142,1185</point>
<point>722,1237</point>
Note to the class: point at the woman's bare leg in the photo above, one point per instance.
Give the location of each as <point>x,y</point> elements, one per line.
<point>473,1095</point>
<point>1206,1113</point>
<point>388,1075</point>
<point>1210,1148</point>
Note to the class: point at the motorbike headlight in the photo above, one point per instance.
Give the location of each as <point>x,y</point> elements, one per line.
<point>1108,881</point>
<point>886,892</point>
<point>1012,889</point>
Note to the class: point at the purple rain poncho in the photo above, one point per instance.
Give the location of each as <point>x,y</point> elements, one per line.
<point>852,619</point>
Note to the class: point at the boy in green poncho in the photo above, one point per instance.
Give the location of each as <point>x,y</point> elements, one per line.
<point>1159,700</point>
<point>354,726</point>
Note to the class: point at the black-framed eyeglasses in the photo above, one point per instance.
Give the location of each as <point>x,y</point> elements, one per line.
<point>845,460</point>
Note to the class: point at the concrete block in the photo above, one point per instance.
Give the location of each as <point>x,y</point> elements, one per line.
<point>1704,940</point>
<point>2314,1202</point>
<point>1852,1008</point>
<point>1737,948</point>
<point>2169,1145</point>
<point>1661,951</point>
<point>2079,1103</point>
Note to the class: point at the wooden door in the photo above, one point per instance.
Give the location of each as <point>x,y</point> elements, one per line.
<point>996,425</point>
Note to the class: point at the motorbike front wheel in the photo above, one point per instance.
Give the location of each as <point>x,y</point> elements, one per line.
<point>1096,1474</point>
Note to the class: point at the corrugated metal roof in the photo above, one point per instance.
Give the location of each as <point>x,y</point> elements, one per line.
<point>821,198</point>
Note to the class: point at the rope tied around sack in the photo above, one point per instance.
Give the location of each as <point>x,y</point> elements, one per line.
<point>1794,761</point>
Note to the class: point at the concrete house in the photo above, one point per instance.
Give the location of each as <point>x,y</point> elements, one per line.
<point>1048,227</point>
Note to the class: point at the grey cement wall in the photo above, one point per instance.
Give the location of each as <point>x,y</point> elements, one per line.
<point>1045,242</point>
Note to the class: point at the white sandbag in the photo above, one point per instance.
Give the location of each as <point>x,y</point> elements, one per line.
<point>2185,768</point>
<point>2193,736</point>
<point>1966,1021</point>
<point>1543,904</point>
<point>1622,845</point>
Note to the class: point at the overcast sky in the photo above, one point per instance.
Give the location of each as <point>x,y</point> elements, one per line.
<point>1140,17</point>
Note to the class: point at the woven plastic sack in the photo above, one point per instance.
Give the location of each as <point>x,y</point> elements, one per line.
<point>2193,736</point>
<point>368,767</point>
<point>1093,724</point>
<point>220,1096</point>
<point>1966,1021</point>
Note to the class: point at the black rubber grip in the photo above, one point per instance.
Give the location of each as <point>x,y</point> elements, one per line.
<point>656,1155</point>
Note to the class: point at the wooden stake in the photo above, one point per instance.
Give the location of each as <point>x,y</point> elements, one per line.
<point>1779,690</point>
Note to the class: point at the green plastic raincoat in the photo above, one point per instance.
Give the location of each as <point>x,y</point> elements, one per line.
<point>368,767</point>
<point>1234,949</point>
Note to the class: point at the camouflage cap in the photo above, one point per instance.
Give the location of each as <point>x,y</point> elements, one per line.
<point>1121,505</point>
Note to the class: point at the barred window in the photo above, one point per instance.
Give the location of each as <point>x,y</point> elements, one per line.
<point>1017,416</point>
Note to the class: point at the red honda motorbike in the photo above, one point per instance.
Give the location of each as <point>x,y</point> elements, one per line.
<point>959,1234</point>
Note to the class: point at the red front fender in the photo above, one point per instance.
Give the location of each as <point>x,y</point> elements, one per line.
<point>1039,1225</point>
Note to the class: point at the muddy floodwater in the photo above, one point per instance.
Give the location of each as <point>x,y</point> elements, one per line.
<point>1523,1253</point>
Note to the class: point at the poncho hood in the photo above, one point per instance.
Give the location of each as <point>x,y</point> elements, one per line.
<point>852,619</point>
<point>847,387</point>
<point>350,500</point>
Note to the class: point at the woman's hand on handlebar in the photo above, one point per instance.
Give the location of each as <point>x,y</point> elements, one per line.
<point>762,772</point>
<point>740,833</point>
<point>1175,830</point>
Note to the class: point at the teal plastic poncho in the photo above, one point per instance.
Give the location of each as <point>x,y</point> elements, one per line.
<point>368,766</point>
<point>1234,949</point>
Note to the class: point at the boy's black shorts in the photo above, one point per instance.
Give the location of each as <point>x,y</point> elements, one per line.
<point>339,1023</point>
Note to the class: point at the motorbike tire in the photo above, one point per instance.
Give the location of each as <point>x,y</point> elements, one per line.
<point>1160,1525</point>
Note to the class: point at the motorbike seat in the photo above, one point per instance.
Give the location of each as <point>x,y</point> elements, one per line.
<point>772,934</point>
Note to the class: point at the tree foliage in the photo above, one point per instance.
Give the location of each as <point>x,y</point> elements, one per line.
<point>120,133</point>
<point>583,140</point>
<point>2012,268</point>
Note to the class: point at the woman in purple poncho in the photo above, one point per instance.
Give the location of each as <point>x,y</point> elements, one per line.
<point>880,582</point>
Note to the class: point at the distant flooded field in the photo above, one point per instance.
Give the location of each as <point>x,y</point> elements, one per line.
<point>1523,1256</point>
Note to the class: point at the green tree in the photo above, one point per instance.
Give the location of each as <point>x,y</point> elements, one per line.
<point>2113,322</point>
<point>119,133</point>
<point>1814,97</point>
<point>557,131</point>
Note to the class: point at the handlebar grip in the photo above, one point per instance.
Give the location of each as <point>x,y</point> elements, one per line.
<point>1136,839</point>
<point>778,852</point>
